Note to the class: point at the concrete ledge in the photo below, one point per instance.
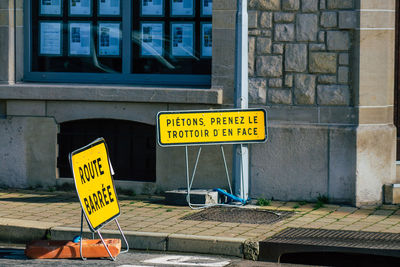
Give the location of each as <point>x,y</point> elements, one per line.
<point>206,244</point>
<point>20,235</point>
<point>22,231</point>
<point>117,93</point>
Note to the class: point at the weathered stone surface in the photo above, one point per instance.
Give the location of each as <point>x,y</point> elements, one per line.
<point>342,161</point>
<point>252,19</point>
<point>309,5</point>
<point>329,19</point>
<point>269,66</point>
<point>284,17</point>
<point>338,40</point>
<point>257,91</point>
<point>277,49</point>
<point>317,47</point>
<point>251,250</point>
<point>321,37</point>
<point>291,5</point>
<point>29,147</point>
<point>306,27</point>
<point>266,20</point>
<point>327,79</point>
<point>296,57</point>
<point>343,75</point>
<point>254,32</point>
<point>375,161</point>
<point>322,4</point>
<point>266,33</point>
<point>284,32</point>
<point>288,80</point>
<point>225,19</point>
<point>23,108</point>
<point>347,20</point>
<point>333,95</point>
<point>252,48</point>
<point>62,111</point>
<point>263,45</point>
<point>275,83</point>
<point>338,114</point>
<point>301,151</point>
<point>322,62</point>
<point>344,59</point>
<point>304,89</point>
<point>340,4</point>
<point>279,96</point>
<point>265,4</point>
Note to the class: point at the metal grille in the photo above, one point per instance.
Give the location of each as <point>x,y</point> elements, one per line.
<point>328,246</point>
<point>339,238</point>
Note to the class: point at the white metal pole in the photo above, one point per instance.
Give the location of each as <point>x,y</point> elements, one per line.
<point>241,152</point>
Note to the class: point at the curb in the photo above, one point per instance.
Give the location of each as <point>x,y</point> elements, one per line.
<point>163,241</point>
<point>22,231</point>
<point>27,231</point>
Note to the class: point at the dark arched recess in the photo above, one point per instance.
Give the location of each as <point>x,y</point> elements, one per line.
<point>131,145</point>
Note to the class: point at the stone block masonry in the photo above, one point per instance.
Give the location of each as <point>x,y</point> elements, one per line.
<point>299,52</point>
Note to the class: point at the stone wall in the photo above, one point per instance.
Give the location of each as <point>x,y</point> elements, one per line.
<point>299,52</point>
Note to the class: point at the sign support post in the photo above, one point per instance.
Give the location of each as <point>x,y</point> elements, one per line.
<point>241,152</point>
<point>212,127</point>
<point>190,180</point>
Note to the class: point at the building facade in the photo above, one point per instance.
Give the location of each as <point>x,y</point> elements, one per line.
<point>323,70</point>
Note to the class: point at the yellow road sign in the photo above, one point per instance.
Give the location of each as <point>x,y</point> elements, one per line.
<point>94,183</point>
<point>211,127</point>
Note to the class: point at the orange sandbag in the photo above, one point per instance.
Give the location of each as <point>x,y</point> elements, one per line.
<point>65,249</point>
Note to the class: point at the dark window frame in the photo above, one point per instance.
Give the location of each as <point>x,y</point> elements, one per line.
<point>125,77</point>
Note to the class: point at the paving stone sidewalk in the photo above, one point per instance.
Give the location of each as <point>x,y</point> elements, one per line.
<point>149,214</point>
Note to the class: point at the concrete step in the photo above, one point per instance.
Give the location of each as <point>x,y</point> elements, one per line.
<point>197,196</point>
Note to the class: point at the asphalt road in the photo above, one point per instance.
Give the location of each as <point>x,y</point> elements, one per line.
<point>14,256</point>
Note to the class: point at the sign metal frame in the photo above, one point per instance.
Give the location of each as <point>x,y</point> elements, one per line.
<point>98,141</point>
<point>97,228</point>
<point>200,144</point>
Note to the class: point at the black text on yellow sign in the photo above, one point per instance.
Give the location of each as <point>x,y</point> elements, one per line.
<point>94,183</point>
<point>211,127</point>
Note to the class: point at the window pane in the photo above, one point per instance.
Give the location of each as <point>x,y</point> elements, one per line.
<point>167,37</point>
<point>171,41</point>
<point>76,36</point>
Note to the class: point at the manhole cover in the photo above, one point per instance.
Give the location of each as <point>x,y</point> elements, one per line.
<point>239,215</point>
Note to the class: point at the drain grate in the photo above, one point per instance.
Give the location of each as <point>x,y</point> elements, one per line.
<point>297,240</point>
<point>238,215</point>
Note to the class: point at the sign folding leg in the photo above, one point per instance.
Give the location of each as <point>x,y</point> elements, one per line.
<point>102,240</point>
<point>190,180</point>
